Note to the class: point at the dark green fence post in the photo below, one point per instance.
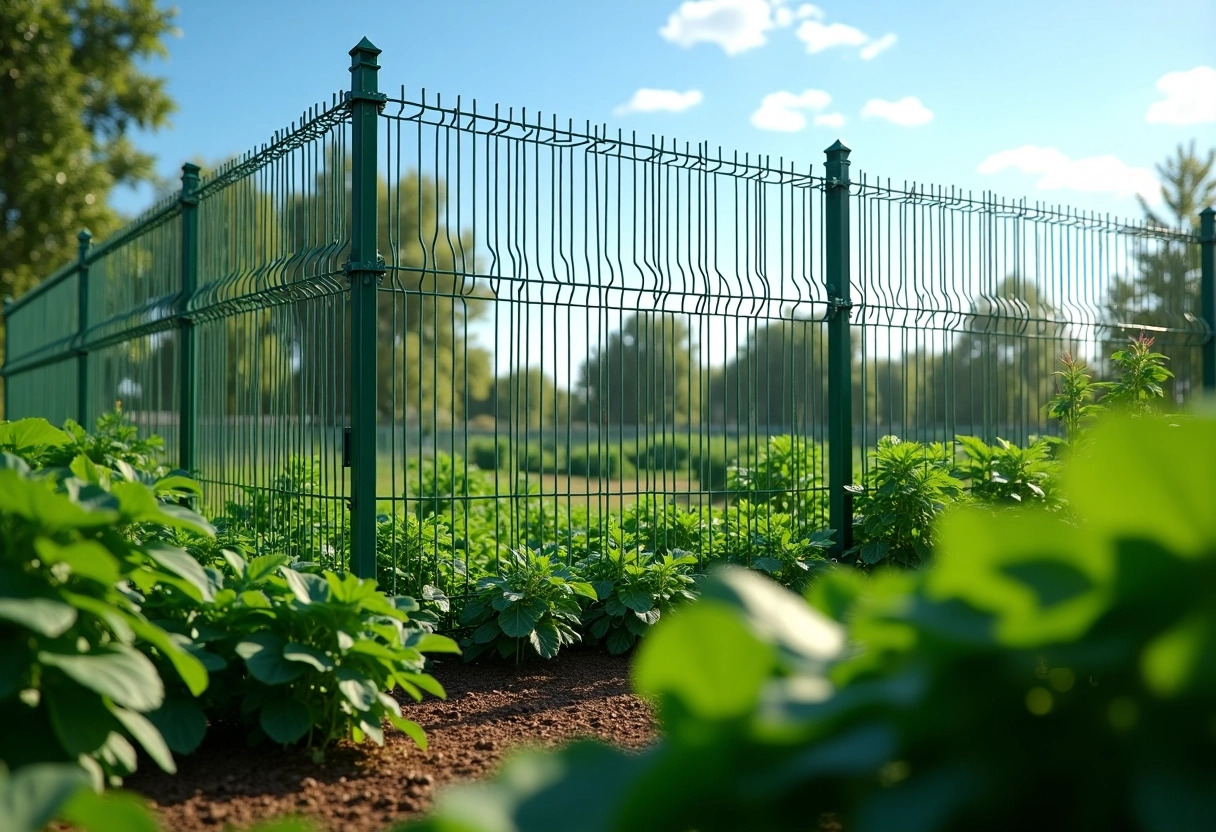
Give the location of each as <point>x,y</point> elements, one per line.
<point>1207,293</point>
<point>363,270</point>
<point>840,348</point>
<point>83,239</point>
<point>8,411</point>
<point>187,374</point>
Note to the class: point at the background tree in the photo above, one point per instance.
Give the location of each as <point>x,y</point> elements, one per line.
<point>998,373</point>
<point>527,397</point>
<point>1164,293</point>
<point>429,371</point>
<point>644,374</point>
<point>71,88</point>
<point>777,380</point>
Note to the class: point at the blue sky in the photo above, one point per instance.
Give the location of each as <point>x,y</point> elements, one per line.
<point>1068,102</point>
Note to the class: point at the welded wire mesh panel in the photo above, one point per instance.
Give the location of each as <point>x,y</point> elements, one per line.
<point>49,391</point>
<point>40,328</point>
<point>271,335</point>
<point>578,322</point>
<point>964,307</point>
<point>131,338</point>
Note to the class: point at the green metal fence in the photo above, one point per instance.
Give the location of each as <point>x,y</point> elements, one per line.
<point>407,306</point>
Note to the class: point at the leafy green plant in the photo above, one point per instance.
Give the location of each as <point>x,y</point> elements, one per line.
<point>1141,373</point>
<point>1004,474</point>
<point>1048,673</point>
<point>416,558</point>
<point>79,550</point>
<point>306,657</point>
<point>532,601</point>
<point>632,594</point>
<point>660,526</point>
<point>291,516</point>
<point>784,475</point>
<point>594,461</point>
<point>783,546</point>
<point>1073,404</point>
<point>907,486</point>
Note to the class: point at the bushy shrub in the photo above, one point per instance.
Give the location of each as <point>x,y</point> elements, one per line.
<point>594,461</point>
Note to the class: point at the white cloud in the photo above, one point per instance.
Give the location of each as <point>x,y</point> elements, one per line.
<point>829,120</point>
<point>780,110</point>
<point>819,37</point>
<point>1190,98</point>
<point>1056,171</point>
<point>650,101</point>
<point>906,112</point>
<point>872,49</point>
<point>735,25</point>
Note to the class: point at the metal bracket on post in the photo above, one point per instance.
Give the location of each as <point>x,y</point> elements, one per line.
<point>364,270</point>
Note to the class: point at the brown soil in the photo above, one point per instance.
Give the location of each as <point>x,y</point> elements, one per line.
<point>491,708</point>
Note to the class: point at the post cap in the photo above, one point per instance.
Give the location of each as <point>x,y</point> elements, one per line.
<point>838,147</point>
<point>364,54</point>
<point>84,236</point>
<point>190,169</point>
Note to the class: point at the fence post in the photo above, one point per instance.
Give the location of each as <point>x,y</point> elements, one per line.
<point>840,348</point>
<point>83,239</point>
<point>363,270</point>
<point>1207,293</point>
<point>187,375</point>
<point>4,379</point>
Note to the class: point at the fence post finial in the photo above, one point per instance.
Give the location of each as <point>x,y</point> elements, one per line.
<point>364,270</point>
<point>840,348</point>
<point>1207,293</point>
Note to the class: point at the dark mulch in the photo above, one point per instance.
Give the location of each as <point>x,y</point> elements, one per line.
<point>491,708</point>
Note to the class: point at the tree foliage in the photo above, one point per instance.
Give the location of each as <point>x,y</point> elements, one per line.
<point>71,90</point>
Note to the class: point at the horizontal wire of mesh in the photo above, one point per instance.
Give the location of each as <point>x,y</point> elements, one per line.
<point>964,307</point>
<point>575,322</point>
<point>271,329</point>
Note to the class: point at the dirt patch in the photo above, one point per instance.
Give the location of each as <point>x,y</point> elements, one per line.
<point>491,709</point>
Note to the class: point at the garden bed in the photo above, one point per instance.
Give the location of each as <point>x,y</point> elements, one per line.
<point>492,707</point>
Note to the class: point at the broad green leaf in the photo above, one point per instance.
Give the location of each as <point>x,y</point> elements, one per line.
<point>545,639</point>
<point>181,563</point>
<point>45,616</point>
<point>360,691</point>
<point>148,735</point>
<point>117,671</point>
<point>87,559</point>
<point>410,728</point>
<point>80,718</point>
<point>190,660</point>
<point>431,643</point>
<point>178,483</point>
<point>620,640</point>
<point>24,436</point>
<point>519,620</point>
<point>638,600</point>
<point>285,720</point>
<point>778,616</point>
<point>295,652</point>
<point>263,566</point>
<point>263,655</point>
<point>89,811</point>
<point>425,681</point>
<point>119,754</point>
<point>708,658</point>
<point>1173,662</point>
<point>31,796</point>
<point>583,588</point>
<point>307,588</point>
<point>181,722</point>
<point>53,512</point>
